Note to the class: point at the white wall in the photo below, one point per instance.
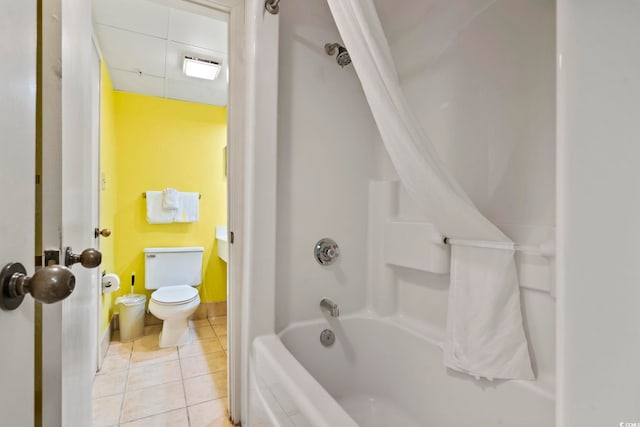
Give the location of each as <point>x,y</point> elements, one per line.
<point>480,76</point>
<point>326,136</point>
<point>599,207</point>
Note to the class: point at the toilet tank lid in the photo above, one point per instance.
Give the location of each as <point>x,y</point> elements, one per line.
<point>179,249</point>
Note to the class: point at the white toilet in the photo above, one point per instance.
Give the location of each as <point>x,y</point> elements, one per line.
<point>173,272</point>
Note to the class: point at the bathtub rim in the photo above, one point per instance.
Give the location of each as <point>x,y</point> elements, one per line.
<point>313,400</point>
<point>423,333</point>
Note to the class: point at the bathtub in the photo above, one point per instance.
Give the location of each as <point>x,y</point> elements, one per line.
<point>378,373</point>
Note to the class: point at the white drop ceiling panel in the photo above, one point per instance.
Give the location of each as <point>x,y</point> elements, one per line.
<point>139,16</point>
<point>188,91</point>
<point>127,81</point>
<point>125,50</point>
<point>200,31</point>
<point>143,43</point>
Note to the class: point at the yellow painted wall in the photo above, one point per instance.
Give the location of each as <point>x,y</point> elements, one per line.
<point>167,143</point>
<point>108,186</point>
<point>150,143</point>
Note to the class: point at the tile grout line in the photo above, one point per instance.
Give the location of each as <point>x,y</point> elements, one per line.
<point>227,362</point>
<point>150,416</point>
<point>126,380</point>
<point>180,357</point>
<point>144,365</point>
<point>184,389</point>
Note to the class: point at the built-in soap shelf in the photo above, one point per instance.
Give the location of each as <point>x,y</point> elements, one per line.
<point>415,243</point>
<point>419,245</point>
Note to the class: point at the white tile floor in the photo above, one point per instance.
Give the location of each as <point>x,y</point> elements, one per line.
<point>143,385</point>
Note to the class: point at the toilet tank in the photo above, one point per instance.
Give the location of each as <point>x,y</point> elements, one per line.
<point>172,267</point>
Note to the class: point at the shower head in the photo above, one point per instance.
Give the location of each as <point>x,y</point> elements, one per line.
<point>342,58</point>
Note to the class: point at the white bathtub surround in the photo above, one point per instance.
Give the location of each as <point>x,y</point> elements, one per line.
<point>413,287</point>
<point>487,99</point>
<point>477,344</point>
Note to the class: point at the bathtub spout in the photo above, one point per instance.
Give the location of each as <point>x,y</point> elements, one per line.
<point>330,306</point>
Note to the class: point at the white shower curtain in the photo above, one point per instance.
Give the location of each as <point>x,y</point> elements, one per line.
<point>485,335</point>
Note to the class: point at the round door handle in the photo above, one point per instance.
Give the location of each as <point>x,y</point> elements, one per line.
<point>48,285</point>
<point>105,232</point>
<point>89,258</point>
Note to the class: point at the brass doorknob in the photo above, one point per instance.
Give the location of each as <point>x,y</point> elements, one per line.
<point>105,232</point>
<point>48,285</point>
<point>89,258</point>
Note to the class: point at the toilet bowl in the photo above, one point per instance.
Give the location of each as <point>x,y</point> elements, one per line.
<point>173,274</point>
<point>173,305</point>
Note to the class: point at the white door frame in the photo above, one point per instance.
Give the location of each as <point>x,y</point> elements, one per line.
<point>236,171</point>
<point>236,110</point>
<point>257,306</point>
<point>68,331</point>
<point>235,190</point>
<point>236,148</point>
<point>51,206</point>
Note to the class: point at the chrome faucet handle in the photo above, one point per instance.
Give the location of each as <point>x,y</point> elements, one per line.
<point>326,251</point>
<point>330,306</point>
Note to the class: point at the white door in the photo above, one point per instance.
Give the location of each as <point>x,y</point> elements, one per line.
<point>17,177</point>
<point>69,328</point>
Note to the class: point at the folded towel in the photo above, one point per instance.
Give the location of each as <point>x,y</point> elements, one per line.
<point>156,214</point>
<point>170,199</point>
<point>485,334</point>
<point>189,208</point>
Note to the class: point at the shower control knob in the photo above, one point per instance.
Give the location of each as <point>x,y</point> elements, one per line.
<point>89,258</point>
<point>48,285</point>
<point>326,251</point>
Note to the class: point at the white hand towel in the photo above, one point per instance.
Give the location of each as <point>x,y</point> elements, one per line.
<point>156,214</point>
<point>170,199</point>
<point>485,333</point>
<point>189,210</point>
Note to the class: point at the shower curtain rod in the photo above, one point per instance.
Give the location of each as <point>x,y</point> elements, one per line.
<point>272,6</point>
<point>546,250</point>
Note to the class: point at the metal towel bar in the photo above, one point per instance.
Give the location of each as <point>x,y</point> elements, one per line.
<point>144,194</point>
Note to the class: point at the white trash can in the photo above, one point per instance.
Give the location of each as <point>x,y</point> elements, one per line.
<point>131,316</point>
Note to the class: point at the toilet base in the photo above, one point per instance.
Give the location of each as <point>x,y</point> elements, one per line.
<point>175,332</point>
<point>175,325</point>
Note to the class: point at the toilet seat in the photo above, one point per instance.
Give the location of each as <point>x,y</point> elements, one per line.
<point>174,295</point>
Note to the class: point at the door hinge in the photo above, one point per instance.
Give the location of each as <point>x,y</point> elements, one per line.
<point>231,237</point>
